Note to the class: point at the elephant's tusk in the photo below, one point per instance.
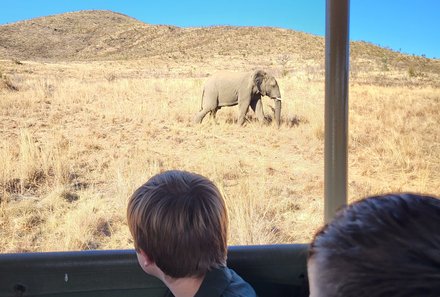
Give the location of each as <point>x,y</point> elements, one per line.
<point>279,99</point>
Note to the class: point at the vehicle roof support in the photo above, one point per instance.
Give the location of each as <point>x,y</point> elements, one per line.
<point>337,52</point>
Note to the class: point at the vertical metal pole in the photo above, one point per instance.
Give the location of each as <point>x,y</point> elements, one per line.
<point>336,105</point>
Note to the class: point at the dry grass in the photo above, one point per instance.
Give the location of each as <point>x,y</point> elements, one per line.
<point>78,138</point>
<point>395,139</point>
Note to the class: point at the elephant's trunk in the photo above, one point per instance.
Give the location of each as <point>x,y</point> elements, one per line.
<point>278,111</point>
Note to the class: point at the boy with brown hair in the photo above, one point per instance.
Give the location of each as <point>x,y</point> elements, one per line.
<point>179,224</point>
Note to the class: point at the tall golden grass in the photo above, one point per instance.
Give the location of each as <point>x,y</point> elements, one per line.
<point>78,139</point>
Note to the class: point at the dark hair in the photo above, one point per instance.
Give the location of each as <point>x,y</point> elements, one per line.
<point>179,220</point>
<point>381,246</point>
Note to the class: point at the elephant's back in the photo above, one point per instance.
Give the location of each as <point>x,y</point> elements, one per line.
<point>226,81</point>
<point>227,76</point>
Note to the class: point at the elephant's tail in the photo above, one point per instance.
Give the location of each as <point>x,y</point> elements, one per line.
<point>203,96</point>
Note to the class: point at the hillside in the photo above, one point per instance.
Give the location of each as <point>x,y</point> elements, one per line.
<point>105,35</point>
<point>91,35</point>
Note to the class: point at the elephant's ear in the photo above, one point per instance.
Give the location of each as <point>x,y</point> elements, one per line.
<point>258,78</point>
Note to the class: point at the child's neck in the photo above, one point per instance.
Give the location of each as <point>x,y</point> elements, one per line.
<point>183,287</point>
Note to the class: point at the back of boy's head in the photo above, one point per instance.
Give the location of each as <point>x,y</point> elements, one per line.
<point>381,246</point>
<point>179,220</point>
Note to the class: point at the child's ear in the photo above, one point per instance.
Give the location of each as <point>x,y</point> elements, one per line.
<point>144,260</point>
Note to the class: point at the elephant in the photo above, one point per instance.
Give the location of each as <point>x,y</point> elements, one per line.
<point>242,88</point>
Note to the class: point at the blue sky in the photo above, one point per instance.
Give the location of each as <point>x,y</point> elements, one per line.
<point>408,26</point>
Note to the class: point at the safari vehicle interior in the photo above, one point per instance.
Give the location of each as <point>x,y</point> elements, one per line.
<point>273,270</point>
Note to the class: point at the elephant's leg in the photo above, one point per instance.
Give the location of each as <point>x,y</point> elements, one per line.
<point>210,103</point>
<point>257,107</point>
<point>243,109</point>
<point>200,115</point>
<point>214,113</point>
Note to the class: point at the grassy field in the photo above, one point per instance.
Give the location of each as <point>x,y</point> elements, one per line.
<point>78,138</point>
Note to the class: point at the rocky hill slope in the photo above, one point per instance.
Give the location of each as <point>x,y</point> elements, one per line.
<point>106,35</point>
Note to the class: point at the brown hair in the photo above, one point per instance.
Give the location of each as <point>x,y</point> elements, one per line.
<point>179,220</point>
<point>381,246</point>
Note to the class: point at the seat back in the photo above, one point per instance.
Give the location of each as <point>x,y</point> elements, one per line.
<point>273,270</point>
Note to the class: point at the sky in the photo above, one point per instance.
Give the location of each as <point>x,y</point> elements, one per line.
<point>408,26</point>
